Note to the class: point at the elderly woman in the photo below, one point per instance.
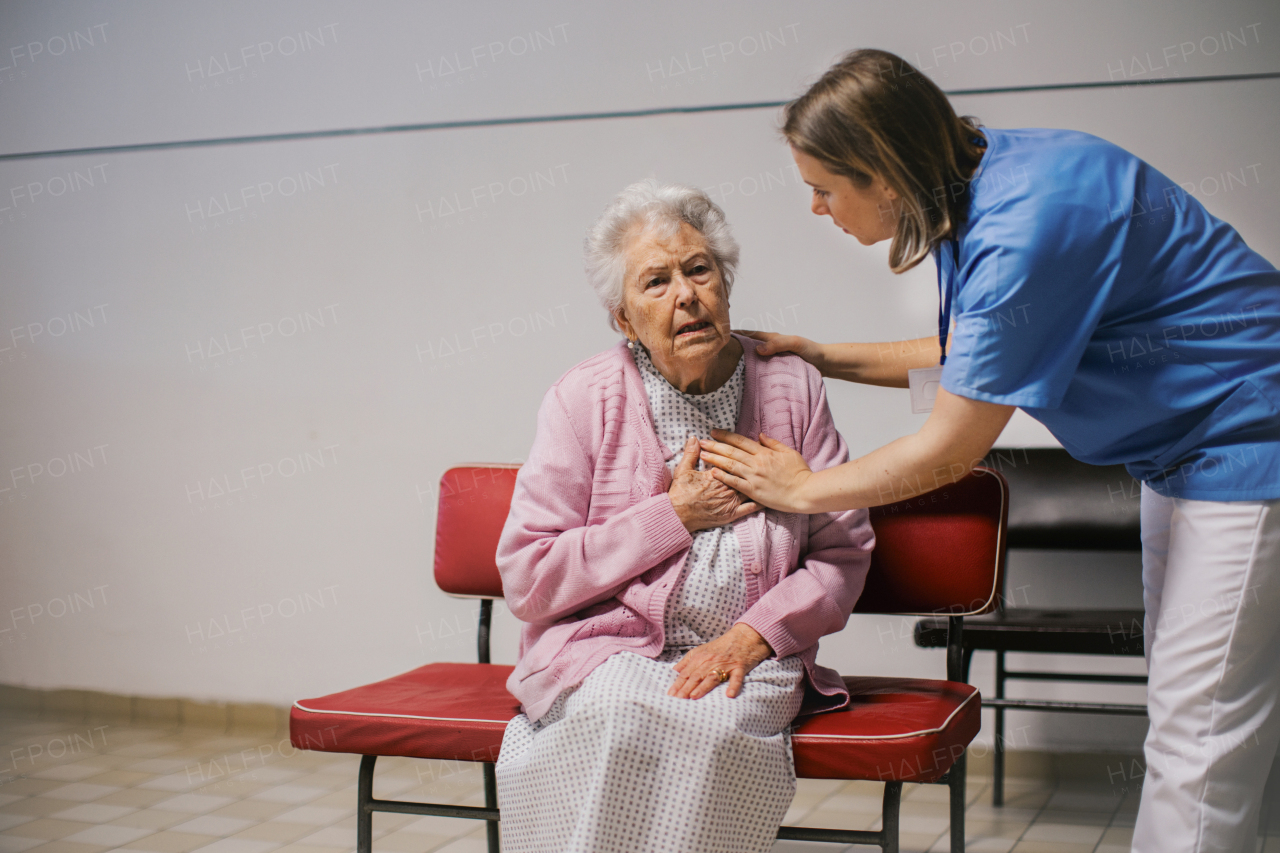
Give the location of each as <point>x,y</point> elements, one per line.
<point>671,628</point>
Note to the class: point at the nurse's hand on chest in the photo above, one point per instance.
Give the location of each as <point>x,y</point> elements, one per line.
<point>958,433</point>
<point>700,501</point>
<point>776,472</point>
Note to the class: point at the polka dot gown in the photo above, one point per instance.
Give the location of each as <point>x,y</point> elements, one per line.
<point>616,765</point>
<point>711,592</point>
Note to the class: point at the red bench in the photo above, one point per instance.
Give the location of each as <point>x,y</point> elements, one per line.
<point>938,554</point>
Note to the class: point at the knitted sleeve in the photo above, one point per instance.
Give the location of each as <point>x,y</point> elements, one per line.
<point>552,563</point>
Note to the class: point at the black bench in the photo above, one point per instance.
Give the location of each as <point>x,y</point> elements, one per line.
<point>1055,504</point>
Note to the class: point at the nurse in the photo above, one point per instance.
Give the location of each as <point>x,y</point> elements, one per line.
<point>1093,293</point>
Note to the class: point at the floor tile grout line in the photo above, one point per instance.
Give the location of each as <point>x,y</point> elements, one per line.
<point>818,805</point>
<point>1110,822</point>
<point>336,769</point>
<point>1036,817</point>
<point>165,734</point>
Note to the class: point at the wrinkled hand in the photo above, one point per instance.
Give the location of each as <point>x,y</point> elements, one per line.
<point>700,499</point>
<point>736,652</point>
<point>774,343</point>
<point>769,473</point>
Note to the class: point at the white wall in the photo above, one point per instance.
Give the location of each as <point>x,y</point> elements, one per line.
<point>349,299</point>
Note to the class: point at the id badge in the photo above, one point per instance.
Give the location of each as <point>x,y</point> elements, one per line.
<point>924,382</point>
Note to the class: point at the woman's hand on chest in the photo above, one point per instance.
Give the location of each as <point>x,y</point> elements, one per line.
<point>699,499</point>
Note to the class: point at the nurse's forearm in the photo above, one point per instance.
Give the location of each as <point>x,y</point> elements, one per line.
<point>878,364</point>
<point>901,469</point>
<point>958,434</point>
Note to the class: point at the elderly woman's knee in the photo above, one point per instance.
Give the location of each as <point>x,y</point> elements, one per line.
<point>621,721</point>
<point>623,707</point>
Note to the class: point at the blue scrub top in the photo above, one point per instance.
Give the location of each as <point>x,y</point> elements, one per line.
<point>1107,303</point>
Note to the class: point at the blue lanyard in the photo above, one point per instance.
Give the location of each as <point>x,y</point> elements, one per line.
<point>944,298</point>
<point>944,295</point>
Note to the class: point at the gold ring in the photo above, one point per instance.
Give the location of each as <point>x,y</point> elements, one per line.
<point>720,674</point>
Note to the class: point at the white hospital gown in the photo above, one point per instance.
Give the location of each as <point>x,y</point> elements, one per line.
<point>616,765</point>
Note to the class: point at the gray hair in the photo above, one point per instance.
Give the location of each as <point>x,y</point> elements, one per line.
<point>649,204</point>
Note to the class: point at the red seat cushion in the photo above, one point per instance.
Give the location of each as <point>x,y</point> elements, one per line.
<point>904,729</point>
<point>894,729</point>
<point>441,710</point>
<point>474,503</point>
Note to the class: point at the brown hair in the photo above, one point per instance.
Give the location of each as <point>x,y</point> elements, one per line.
<point>873,114</point>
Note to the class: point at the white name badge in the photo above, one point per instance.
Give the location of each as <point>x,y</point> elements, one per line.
<point>924,382</point>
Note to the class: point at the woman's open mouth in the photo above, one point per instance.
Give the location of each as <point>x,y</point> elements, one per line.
<point>690,328</point>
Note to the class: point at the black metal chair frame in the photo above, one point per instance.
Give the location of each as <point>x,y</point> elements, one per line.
<point>886,839</point>
<point>1000,703</point>
<point>926,629</point>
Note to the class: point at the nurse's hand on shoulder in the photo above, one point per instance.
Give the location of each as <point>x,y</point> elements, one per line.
<point>773,343</point>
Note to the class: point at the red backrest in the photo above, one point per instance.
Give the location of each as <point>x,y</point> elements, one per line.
<point>942,552</point>
<point>474,501</point>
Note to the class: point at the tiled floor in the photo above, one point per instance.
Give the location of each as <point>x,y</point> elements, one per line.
<point>87,788</point>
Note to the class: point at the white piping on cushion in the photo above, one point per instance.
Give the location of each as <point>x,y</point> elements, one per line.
<point>302,707</point>
<point>945,723</point>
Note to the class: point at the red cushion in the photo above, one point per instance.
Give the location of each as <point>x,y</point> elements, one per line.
<point>441,710</point>
<point>903,729</point>
<point>474,502</point>
<point>939,552</point>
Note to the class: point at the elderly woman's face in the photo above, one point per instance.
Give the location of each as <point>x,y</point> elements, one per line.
<point>674,303</point>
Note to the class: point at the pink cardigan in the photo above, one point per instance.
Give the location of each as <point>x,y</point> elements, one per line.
<point>592,546</point>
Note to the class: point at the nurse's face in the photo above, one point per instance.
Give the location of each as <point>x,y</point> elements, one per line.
<point>868,213</point>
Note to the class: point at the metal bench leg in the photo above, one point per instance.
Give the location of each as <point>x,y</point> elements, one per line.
<point>490,771</point>
<point>997,763</point>
<point>889,816</point>
<point>491,801</point>
<point>955,781</point>
<point>364,801</point>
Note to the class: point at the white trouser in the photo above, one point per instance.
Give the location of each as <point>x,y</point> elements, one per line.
<point>1211,586</point>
